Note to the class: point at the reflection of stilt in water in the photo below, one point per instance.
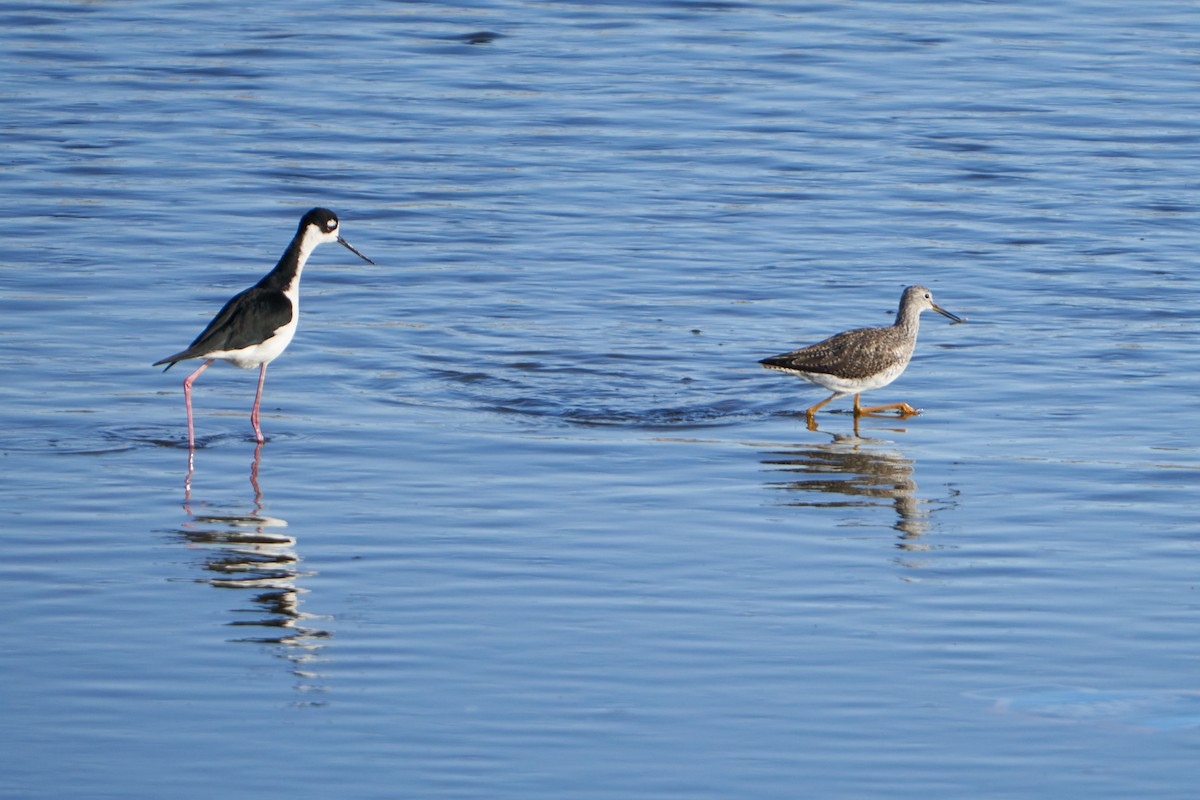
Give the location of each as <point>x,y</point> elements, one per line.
<point>246,551</point>
<point>849,472</point>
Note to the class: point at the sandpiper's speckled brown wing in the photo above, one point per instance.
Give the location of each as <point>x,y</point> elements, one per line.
<point>855,354</point>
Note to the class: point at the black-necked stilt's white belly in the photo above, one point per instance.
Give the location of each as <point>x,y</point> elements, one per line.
<point>264,352</point>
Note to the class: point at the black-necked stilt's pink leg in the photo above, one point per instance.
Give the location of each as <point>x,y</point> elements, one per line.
<point>262,376</point>
<point>187,400</point>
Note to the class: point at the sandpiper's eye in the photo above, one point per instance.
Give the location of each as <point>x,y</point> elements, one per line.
<point>331,225</point>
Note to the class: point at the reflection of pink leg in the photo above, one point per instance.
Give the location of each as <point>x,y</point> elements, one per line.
<point>258,498</point>
<point>262,376</point>
<point>187,400</point>
<point>187,481</point>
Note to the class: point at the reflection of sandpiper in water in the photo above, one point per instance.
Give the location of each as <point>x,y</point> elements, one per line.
<point>850,472</point>
<point>258,324</point>
<point>248,551</point>
<point>862,359</point>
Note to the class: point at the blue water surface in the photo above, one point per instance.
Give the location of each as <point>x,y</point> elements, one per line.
<point>530,520</point>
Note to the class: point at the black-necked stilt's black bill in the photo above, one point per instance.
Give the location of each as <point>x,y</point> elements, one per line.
<point>350,247</point>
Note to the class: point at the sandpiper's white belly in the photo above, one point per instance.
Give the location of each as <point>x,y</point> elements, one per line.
<point>854,385</point>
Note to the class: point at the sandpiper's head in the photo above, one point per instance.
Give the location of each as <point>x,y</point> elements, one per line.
<point>321,225</point>
<point>920,299</point>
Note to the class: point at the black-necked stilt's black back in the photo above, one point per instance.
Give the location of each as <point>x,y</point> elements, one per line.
<point>256,325</point>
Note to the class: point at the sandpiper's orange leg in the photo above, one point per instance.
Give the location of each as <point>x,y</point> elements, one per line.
<point>812,412</point>
<point>904,408</point>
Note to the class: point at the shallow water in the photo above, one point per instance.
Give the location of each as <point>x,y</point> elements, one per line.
<point>530,520</point>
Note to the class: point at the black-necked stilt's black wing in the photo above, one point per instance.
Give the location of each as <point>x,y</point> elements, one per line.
<point>249,318</point>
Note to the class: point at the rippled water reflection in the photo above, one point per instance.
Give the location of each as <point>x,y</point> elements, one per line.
<point>850,472</point>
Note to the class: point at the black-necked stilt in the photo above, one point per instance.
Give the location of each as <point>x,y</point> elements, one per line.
<point>862,359</point>
<point>257,324</point>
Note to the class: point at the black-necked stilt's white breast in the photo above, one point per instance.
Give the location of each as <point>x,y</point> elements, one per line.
<point>862,359</point>
<point>256,325</point>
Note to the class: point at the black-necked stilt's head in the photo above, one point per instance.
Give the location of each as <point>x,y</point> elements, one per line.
<point>321,225</point>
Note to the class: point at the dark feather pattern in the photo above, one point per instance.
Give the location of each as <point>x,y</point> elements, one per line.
<point>854,354</point>
<point>249,318</point>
